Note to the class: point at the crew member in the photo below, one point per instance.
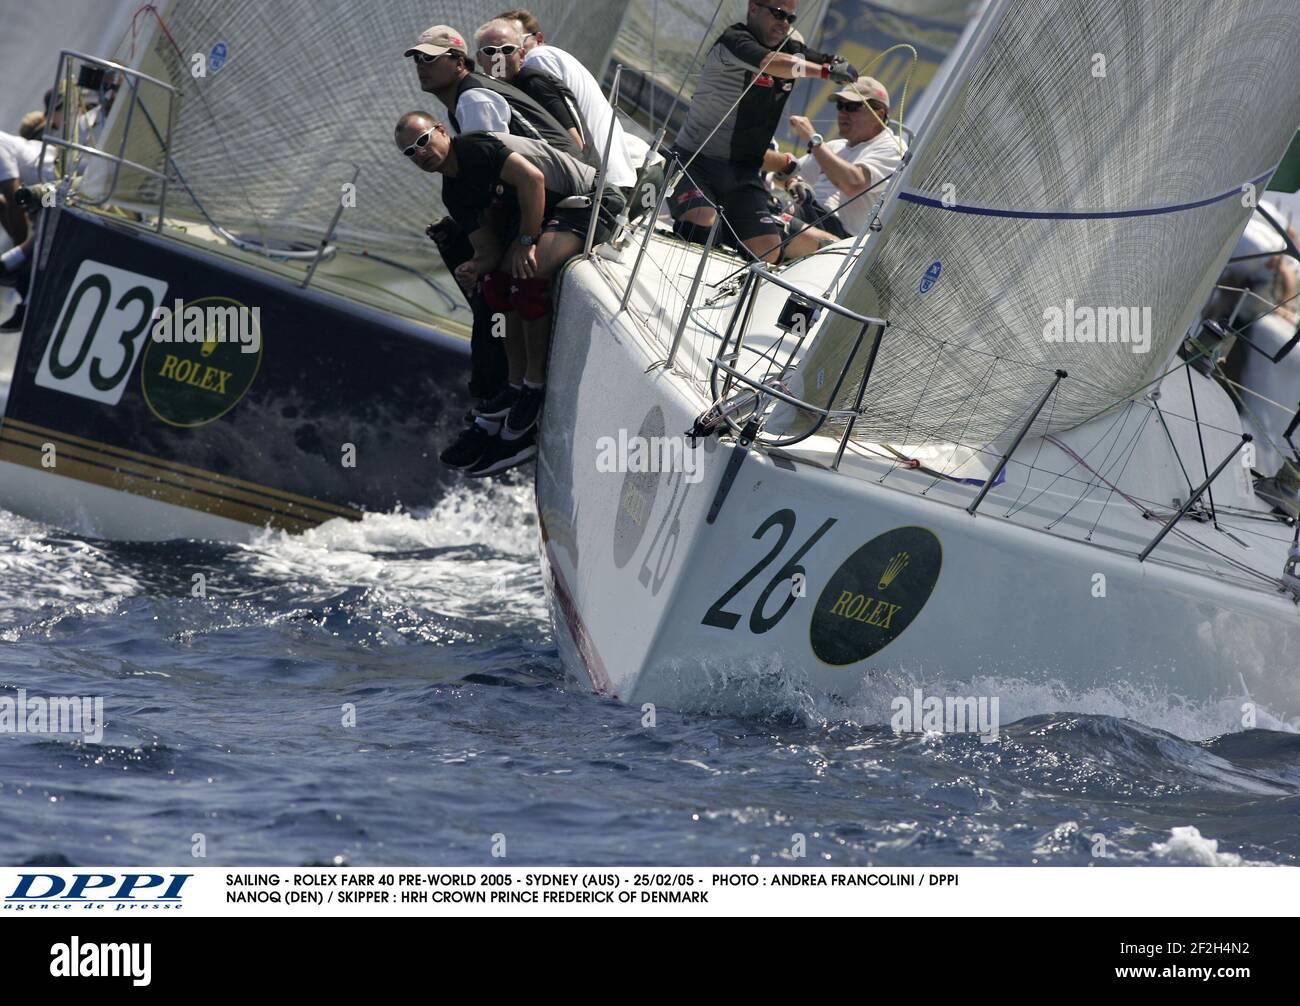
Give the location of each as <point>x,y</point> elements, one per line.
<point>501,55</point>
<point>834,173</point>
<point>723,144</point>
<point>627,152</point>
<point>478,103</point>
<point>32,125</point>
<point>538,177</point>
<point>20,166</point>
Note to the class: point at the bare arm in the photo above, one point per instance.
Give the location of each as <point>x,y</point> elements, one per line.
<point>577,137</point>
<point>776,160</point>
<point>487,246</point>
<point>487,256</point>
<point>851,179</point>
<point>790,67</point>
<point>530,186</point>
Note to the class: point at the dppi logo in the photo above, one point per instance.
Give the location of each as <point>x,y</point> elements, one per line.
<point>123,891</point>
<point>931,277</point>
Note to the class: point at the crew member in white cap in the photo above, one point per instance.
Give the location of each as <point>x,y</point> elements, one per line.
<point>834,172</point>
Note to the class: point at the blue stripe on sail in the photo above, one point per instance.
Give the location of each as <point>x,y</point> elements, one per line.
<point>989,211</point>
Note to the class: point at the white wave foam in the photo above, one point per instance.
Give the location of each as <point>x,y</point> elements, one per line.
<point>501,516</point>
<point>1019,698</point>
<point>368,553</point>
<point>1188,847</point>
<point>38,573</point>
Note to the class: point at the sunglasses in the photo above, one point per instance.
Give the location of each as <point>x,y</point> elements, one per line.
<point>420,143</point>
<point>779,14</point>
<point>492,50</point>
<point>424,57</point>
<point>858,106</point>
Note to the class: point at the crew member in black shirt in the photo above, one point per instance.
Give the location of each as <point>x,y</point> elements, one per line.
<point>738,104</point>
<point>476,102</point>
<point>487,168</point>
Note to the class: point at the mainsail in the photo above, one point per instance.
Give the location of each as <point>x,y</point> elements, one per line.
<point>295,93</point>
<point>1088,159</point>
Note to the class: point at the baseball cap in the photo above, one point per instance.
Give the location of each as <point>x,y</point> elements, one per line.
<point>865,89</point>
<point>437,40</point>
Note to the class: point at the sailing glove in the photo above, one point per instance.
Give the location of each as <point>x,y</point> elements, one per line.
<point>842,71</point>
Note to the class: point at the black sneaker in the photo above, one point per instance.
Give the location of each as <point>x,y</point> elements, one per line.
<point>502,455</point>
<point>524,413</point>
<point>499,405</point>
<point>15,322</point>
<point>466,450</point>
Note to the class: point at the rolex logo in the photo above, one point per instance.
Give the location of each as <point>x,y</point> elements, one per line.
<point>897,563</point>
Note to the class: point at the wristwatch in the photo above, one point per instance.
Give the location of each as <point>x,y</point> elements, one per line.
<point>527,239</point>
<point>815,141</point>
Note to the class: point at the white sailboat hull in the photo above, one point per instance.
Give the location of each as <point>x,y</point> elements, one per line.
<point>653,604</point>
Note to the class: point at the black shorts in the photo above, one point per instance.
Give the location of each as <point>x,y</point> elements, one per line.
<point>811,213</point>
<point>746,203</point>
<point>576,221</point>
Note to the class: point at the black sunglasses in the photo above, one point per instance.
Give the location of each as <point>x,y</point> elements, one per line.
<point>424,57</point>
<point>779,14</point>
<point>857,106</point>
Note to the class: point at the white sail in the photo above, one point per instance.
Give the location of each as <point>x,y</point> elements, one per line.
<point>294,93</point>
<point>1091,159</point>
<point>31,35</point>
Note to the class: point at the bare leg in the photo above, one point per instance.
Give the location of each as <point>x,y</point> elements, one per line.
<point>516,349</point>
<point>554,248</point>
<point>764,247</point>
<point>807,241</point>
<point>701,216</point>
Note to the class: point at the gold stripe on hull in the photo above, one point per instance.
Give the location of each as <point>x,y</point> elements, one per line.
<point>124,470</point>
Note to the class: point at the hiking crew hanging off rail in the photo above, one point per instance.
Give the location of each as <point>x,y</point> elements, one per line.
<point>522,236</point>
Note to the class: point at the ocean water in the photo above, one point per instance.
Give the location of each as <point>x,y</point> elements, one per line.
<point>388,692</point>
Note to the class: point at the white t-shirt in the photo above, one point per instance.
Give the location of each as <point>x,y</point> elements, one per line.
<point>481,110</point>
<point>879,155</point>
<point>19,157</point>
<point>593,106</point>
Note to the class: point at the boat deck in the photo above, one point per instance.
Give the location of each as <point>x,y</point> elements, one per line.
<point>1111,483</point>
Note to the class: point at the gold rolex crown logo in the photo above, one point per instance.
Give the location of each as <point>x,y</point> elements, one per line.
<point>896,564</point>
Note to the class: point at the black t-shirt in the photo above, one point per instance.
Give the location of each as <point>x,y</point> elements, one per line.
<point>553,95</point>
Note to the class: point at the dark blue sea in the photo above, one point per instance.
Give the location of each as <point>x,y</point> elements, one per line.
<point>388,692</point>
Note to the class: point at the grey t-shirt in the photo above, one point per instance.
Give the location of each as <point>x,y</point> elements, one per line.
<point>481,156</point>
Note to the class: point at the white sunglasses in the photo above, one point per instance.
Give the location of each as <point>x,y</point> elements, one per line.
<point>421,141</point>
